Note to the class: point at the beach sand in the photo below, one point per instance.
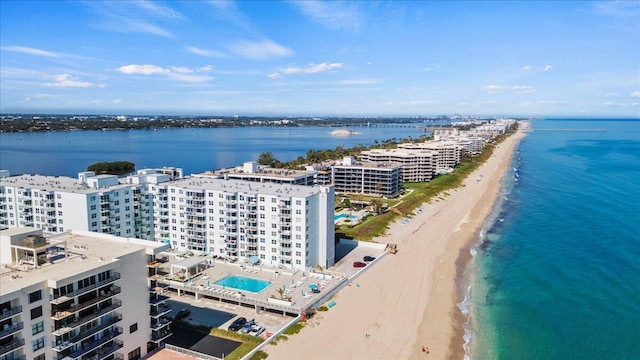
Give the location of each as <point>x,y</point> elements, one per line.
<point>407,301</point>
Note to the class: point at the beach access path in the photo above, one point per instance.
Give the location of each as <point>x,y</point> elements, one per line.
<point>408,300</point>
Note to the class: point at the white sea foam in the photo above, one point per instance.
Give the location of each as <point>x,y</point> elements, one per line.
<point>469,333</point>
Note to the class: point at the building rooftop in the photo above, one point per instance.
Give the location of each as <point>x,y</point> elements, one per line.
<point>231,185</point>
<point>56,183</point>
<point>67,254</point>
<point>260,171</point>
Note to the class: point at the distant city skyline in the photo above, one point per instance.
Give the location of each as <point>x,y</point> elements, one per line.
<point>321,58</point>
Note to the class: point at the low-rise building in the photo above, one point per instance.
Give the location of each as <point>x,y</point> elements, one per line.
<point>367,178</point>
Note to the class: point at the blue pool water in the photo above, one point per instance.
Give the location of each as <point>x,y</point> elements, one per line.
<point>342,216</point>
<point>243,283</point>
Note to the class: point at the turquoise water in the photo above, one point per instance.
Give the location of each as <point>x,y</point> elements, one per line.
<point>556,272</point>
<point>243,283</point>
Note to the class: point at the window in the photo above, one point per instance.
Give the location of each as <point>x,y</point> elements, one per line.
<point>35,296</point>
<point>39,357</point>
<point>135,354</point>
<point>36,312</point>
<point>38,344</point>
<point>37,328</point>
<point>133,328</point>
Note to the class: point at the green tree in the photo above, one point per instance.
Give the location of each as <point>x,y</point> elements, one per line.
<point>377,205</point>
<point>113,168</point>
<point>267,158</point>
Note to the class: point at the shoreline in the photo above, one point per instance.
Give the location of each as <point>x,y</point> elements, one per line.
<point>457,350</point>
<point>409,300</point>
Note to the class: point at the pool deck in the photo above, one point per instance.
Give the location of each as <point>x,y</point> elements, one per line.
<point>295,285</point>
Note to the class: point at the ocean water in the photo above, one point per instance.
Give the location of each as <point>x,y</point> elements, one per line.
<point>556,270</point>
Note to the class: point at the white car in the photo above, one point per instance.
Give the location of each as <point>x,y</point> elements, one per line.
<point>257,330</point>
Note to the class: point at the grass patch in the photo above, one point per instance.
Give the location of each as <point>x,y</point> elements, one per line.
<point>259,355</point>
<point>249,342</point>
<point>294,329</point>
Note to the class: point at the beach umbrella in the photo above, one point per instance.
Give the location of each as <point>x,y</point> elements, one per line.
<point>292,281</point>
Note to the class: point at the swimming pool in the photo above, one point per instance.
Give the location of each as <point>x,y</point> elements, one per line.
<point>243,283</point>
<point>343,216</point>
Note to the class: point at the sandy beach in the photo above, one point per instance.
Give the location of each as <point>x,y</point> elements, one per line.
<point>407,301</point>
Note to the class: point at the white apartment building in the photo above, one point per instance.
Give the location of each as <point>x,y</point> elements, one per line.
<point>415,165</point>
<point>183,213</point>
<point>77,295</point>
<point>448,152</point>
<point>281,224</point>
<point>94,203</point>
<point>374,179</point>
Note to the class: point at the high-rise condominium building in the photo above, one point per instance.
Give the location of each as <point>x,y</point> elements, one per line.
<point>77,295</point>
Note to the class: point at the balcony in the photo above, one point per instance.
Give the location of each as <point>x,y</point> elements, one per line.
<point>10,329</point>
<point>96,314</point>
<point>75,308</point>
<point>89,332</point>
<point>60,299</point>
<point>159,335</point>
<point>85,348</point>
<point>157,325</point>
<point>7,313</point>
<point>158,312</point>
<point>159,299</point>
<point>13,345</point>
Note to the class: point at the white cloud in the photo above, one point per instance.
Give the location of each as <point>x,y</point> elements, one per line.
<point>142,69</point>
<point>615,104</point>
<point>261,50</point>
<point>30,51</point>
<point>332,14</point>
<point>618,9</point>
<point>526,67</point>
<point>635,94</point>
<point>360,82</point>
<point>159,11</point>
<point>523,89</point>
<point>181,69</point>
<point>274,75</point>
<point>547,68</point>
<point>189,77</point>
<point>312,68</point>
<point>66,80</point>
<point>494,89</point>
<point>132,16</point>
<point>206,68</point>
<point>179,73</point>
<point>206,53</point>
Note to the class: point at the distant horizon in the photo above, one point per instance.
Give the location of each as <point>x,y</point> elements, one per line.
<point>373,117</point>
<point>336,58</point>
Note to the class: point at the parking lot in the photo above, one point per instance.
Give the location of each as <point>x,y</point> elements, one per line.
<point>221,314</point>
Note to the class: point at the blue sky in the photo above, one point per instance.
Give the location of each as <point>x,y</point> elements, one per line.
<point>307,58</point>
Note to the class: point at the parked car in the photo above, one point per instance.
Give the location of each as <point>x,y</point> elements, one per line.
<point>368,258</point>
<point>358,264</point>
<point>237,324</point>
<point>183,313</point>
<point>256,330</point>
<point>246,328</point>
